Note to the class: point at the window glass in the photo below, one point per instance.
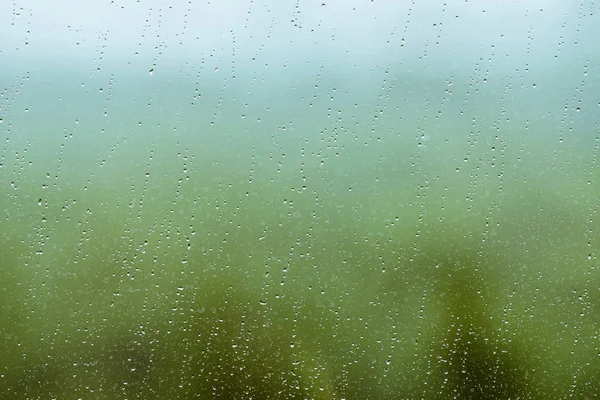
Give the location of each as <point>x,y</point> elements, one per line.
<point>334,199</point>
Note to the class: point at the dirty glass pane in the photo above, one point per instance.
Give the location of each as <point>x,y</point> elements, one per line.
<point>299,199</point>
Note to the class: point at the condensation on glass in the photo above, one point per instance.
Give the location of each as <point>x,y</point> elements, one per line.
<point>270,199</point>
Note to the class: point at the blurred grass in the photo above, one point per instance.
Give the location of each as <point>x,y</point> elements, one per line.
<point>310,262</point>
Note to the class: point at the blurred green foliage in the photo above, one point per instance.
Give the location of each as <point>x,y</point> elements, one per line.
<point>413,255</point>
<point>320,284</point>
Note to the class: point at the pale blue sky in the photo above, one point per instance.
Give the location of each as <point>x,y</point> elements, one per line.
<point>84,30</point>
